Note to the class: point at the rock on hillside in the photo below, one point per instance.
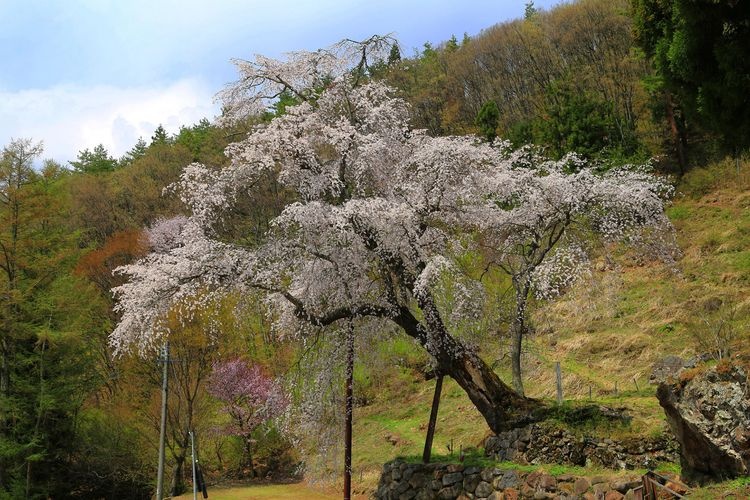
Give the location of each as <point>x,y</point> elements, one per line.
<point>709,413</point>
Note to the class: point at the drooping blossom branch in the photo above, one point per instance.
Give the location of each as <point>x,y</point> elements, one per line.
<point>539,220</point>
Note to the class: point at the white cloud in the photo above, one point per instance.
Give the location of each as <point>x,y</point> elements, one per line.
<point>70,118</point>
<point>76,73</point>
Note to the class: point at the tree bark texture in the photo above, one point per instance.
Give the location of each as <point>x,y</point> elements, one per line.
<point>517,330</point>
<point>500,405</point>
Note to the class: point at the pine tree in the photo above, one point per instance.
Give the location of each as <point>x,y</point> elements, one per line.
<point>137,152</point>
<point>487,120</point>
<point>160,136</point>
<point>94,162</point>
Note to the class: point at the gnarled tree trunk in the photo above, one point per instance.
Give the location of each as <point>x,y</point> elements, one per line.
<point>500,405</point>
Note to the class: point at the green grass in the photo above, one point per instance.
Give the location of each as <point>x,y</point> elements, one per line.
<point>266,492</point>
<point>678,212</point>
<point>472,458</point>
<point>386,430</point>
<point>736,489</point>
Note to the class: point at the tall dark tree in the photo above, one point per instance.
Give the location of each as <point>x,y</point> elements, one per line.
<point>160,136</point>
<point>699,49</point>
<point>46,319</point>
<point>16,173</point>
<point>487,120</point>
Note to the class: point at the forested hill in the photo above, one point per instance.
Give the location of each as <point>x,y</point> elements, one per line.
<point>570,79</point>
<point>618,82</point>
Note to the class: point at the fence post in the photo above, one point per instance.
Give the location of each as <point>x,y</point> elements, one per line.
<point>558,374</point>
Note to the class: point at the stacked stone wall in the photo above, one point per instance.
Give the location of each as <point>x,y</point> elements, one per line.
<point>545,443</point>
<point>408,481</point>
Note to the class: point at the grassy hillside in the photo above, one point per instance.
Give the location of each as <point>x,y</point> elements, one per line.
<point>606,333</point>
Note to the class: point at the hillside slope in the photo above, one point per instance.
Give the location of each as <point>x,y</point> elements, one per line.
<point>606,333</point>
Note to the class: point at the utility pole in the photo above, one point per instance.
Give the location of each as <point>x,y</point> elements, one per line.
<point>163,431</point>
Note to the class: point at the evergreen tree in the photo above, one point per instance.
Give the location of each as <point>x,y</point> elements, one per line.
<point>160,136</point>
<point>575,121</point>
<point>94,162</point>
<point>394,56</point>
<point>285,100</point>
<point>487,120</point>
<point>46,317</point>
<point>137,152</point>
<point>699,50</point>
<point>530,11</point>
<point>452,44</point>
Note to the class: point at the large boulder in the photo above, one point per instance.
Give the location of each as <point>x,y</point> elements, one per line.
<point>709,413</point>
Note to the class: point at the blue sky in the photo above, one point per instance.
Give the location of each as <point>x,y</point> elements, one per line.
<point>76,73</point>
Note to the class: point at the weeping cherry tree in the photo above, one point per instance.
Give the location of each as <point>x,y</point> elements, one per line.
<point>381,213</point>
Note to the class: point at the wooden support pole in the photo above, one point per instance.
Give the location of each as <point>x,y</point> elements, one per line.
<point>433,419</point>
<point>349,410</point>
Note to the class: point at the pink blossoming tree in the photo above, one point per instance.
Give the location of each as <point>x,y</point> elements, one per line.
<point>250,398</point>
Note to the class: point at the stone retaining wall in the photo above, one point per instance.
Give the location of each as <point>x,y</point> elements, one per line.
<point>407,481</point>
<point>545,443</point>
